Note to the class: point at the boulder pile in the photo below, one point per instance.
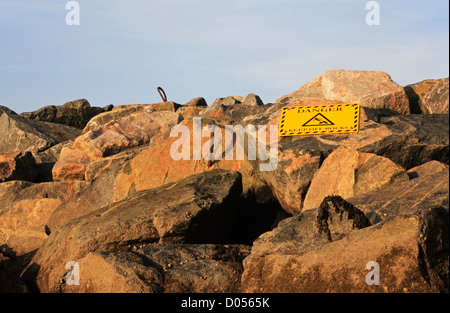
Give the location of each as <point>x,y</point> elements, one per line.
<point>125,199</point>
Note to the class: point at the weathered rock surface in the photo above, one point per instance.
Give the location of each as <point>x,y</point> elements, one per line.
<point>192,108</point>
<point>9,192</point>
<point>427,188</point>
<point>15,191</point>
<point>430,96</point>
<point>100,179</point>
<point>198,209</point>
<point>170,268</point>
<point>252,100</point>
<point>347,172</point>
<point>130,131</point>
<point>52,154</point>
<point>74,113</point>
<point>116,113</point>
<point>21,134</point>
<point>24,212</point>
<point>165,106</point>
<point>408,239</point>
<point>17,166</point>
<point>396,245</point>
<point>138,127</point>
<point>188,112</point>
<point>301,233</point>
<point>121,111</point>
<point>368,88</point>
<point>23,227</point>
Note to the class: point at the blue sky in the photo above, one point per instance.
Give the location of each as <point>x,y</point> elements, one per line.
<point>123,50</point>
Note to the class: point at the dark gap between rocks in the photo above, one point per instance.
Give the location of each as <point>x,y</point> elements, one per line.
<point>44,172</point>
<point>257,217</point>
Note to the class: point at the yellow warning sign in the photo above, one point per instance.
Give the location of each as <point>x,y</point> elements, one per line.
<point>319,119</point>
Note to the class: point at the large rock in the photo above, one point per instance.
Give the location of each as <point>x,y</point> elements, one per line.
<point>413,140</point>
<point>22,228</point>
<point>427,169</point>
<point>347,172</point>
<point>407,237</point>
<point>45,161</point>
<point>21,134</point>
<point>116,113</point>
<point>100,178</point>
<point>128,132</point>
<point>196,102</point>
<point>15,191</point>
<point>52,154</point>
<point>24,212</point>
<point>170,268</point>
<point>188,112</point>
<point>396,245</point>
<point>427,188</point>
<point>429,96</point>
<point>121,111</point>
<point>71,164</point>
<point>252,100</point>
<point>9,192</point>
<point>74,113</point>
<point>199,209</point>
<point>192,108</point>
<point>166,106</point>
<point>17,166</point>
<point>301,233</point>
<point>368,88</point>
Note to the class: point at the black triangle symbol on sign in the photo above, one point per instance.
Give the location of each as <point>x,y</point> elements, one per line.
<point>318,120</point>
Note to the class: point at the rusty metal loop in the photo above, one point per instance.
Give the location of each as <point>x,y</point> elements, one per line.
<point>162,94</point>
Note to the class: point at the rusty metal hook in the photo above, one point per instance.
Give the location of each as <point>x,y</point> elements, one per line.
<point>163,95</point>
